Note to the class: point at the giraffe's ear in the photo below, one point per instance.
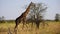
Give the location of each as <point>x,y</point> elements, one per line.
<point>31,2</point>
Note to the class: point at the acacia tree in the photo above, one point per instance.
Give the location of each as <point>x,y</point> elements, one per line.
<point>37,12</point>
<point>2,19</point>
<point>57,17</point>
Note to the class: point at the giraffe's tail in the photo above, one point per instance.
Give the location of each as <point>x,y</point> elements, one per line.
<point>15,28</point>
<point>15,25</point>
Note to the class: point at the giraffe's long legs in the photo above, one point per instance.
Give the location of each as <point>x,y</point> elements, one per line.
<point>23,26</point>
<point>24,23</point>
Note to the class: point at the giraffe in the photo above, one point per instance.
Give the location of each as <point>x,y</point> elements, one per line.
<point>23,16</point>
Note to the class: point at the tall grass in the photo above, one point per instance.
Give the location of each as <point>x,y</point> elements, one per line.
<point>52,28</point>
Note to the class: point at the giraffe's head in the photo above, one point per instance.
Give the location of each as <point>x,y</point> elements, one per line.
<point>32,5</point>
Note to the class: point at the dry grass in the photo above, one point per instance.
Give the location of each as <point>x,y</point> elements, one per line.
<point>51,28</point>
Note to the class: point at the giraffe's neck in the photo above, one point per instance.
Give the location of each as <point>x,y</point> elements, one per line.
<point>27,10</point>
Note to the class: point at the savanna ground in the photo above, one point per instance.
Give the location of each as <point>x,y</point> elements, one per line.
<point>52,28</point>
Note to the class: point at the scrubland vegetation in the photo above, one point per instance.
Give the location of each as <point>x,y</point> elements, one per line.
<point>53,27</point>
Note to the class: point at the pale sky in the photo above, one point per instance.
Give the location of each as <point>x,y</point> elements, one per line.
<point>11,9</point>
